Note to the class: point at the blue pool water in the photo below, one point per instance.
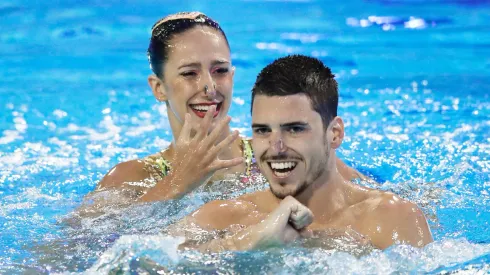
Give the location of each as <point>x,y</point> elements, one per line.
<point>414,79</point>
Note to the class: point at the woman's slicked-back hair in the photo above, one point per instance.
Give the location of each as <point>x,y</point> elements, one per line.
<point>166,28</point>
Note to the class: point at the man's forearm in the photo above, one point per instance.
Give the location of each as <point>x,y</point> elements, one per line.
<point>245,239</point>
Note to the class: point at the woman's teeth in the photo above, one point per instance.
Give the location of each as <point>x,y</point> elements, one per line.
<point>201,108</point>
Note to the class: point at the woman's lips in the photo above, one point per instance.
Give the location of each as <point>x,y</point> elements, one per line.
<point>201,109</point>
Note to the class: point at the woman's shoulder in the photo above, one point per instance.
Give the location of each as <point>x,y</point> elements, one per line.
<point>149,168</point>
<point>128,171</point>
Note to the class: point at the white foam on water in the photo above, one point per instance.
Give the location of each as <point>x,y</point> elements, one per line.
<point>159,248</point>
<point>162,251</point>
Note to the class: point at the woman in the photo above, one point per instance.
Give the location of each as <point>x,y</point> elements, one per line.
<point>193,74</point>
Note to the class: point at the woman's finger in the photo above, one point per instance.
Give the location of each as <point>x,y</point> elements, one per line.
<point>214,151</point>
<point>210,140</point>
<point>185,133</point>
<point>203,127</point>
<point>221,164</point>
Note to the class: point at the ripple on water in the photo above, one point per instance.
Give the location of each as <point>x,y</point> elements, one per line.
<point>159,252</point>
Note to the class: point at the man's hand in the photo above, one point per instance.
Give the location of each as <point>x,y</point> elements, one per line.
<point>283,225</point>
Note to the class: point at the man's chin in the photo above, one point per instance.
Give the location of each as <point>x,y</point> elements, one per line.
<point>281,192</point>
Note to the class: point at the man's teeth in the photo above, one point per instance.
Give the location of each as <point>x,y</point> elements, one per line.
<point>279,174</point>
<point>283,165</point>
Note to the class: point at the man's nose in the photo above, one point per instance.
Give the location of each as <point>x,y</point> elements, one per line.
<point>276,142</point>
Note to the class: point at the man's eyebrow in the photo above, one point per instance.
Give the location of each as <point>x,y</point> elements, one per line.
<point>295,123</point>
<point>258,125</point>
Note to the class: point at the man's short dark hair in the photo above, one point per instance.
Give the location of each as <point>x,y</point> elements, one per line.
<point>299,74</point>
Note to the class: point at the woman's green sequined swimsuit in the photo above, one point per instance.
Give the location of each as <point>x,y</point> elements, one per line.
<point>158,167</point>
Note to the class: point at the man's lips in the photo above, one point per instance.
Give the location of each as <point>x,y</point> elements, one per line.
<point>201,108</point>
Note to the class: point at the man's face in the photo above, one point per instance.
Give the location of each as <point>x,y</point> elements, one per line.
<point>289,142</point>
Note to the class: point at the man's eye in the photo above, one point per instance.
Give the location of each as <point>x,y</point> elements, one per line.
<point>260,131</point>
<point>296,129</point>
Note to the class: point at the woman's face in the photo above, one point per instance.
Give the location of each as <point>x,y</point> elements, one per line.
<point>198,58</point>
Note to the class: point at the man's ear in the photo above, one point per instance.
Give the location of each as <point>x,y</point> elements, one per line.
<point>157,87</point>
<point>337,128</point>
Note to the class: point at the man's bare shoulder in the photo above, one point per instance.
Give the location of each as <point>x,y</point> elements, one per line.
<point>220,214</point>
<point>386,203</point>
<point>124,172</point>
<point>264,200</point>
<point>390,219</point>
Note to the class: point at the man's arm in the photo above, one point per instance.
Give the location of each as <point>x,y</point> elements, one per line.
<point>260,230</point>
<point>218,216</point>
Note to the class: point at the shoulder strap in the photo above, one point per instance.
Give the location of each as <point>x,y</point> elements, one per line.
<point>248,154</point>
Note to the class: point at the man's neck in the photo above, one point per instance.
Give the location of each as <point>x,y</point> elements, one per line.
<point>325,197</point>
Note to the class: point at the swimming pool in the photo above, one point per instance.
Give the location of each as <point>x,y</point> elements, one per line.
<point>414,79</point>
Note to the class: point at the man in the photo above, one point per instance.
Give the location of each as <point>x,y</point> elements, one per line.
<point>296,131</point>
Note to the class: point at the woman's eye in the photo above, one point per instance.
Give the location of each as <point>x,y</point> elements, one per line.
<point>222,70</point>
<point>190,73</point>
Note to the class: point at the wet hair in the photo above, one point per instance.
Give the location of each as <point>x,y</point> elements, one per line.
<point>299,74</point>
<point>167,28</point>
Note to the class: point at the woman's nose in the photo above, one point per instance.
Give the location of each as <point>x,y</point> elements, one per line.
<point>209,87</point>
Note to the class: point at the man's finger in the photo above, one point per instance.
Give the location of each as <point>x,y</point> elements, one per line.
<point>302,221</point>
<point>300,216</point>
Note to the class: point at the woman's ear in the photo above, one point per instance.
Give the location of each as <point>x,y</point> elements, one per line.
<point>157,87</point>
<point>337,128</point>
